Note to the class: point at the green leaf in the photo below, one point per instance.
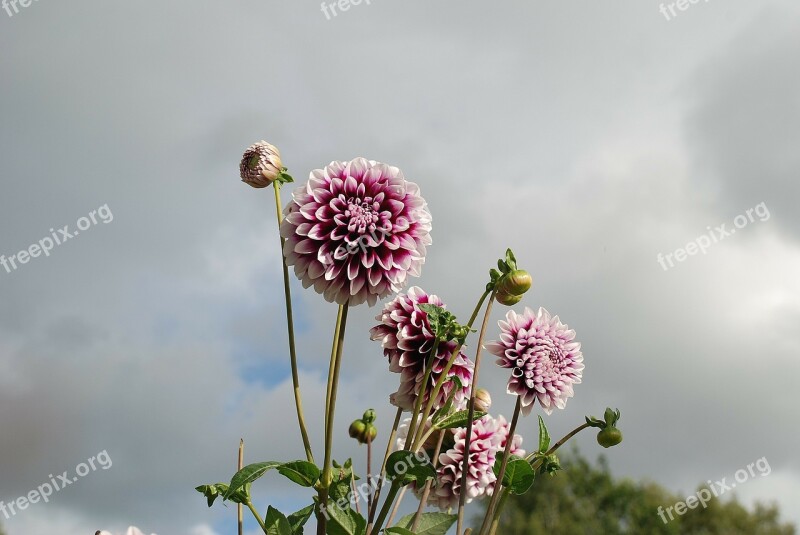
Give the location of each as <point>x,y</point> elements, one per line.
<point>298,520</point>
<point>212,492</point>
<point>519,474</point>
<point>406,467</point>
<point>276,523</point>
<point>399,531</point>
<point>429,523</point>
<point>544,437</point>
<point>457,419</point>
<point>344,521</point>
<point>248,474</point>
<point>303,473</point>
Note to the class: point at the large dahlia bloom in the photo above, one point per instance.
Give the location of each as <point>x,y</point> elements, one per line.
<point>356,231</point>
<point>544,360</point>
<point>407,340</point>
<point>487,442</point>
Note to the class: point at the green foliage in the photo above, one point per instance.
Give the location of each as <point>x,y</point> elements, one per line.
<point>585,500</point>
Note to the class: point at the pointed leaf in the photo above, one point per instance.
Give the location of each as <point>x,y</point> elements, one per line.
<point>276,523</point>
<point>429,523</point>
<point>458,419</point>
<point>248,474</point>
<point>519,474</point>
<point>544,437</point>
<point>298,520</point>
<point>344,521</point>
<point>303,473</point>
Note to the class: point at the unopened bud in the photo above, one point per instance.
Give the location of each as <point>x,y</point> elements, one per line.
<point>507,299</point>
<point>362,431</point>
<point>483,400</point>
<point>517,282</point>
<point>261,165</point>
<point>369,416</point>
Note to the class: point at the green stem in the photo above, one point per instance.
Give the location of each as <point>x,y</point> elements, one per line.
<point>298,400</point>
<point>386,506</point>
<point>443,376</point>
<point>330,409</point>
<point>500,505</point>
<point>412,426</point>
<point>423,501</point>
<point>382,477</point>
<point>490,511</point>
<point>462,498</point>
<point>258,517</point>
<point>558,444</point>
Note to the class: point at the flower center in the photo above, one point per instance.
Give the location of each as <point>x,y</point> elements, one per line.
<point>362,215</point>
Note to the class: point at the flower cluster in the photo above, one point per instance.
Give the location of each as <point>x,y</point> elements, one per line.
<point>356,231</point>
<point>544,360</point>
<point>407,340</point>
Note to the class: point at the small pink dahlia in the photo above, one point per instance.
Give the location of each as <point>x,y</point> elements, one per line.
<point>356,231</point>
<point>544,360</point>
<point>407,342</point>
<point>487,442</point>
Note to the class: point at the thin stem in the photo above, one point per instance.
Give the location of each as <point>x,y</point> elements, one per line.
<point>443,375</point>
<point>490,511</point>
<point>239,508</point>
<point>298,400</point>
<point>389,448</point>
<point>559,443</point>
<point>369,472</point>
<point>500,505</point>
<point>462,498</point>
<point>397,506</point>
<point>257,516</point>
<point>423,501</point>
<point>386,505</point>
<point>330,409</point>
<point>334,349</point>
<point>355,494</point>
<point>413,425</point>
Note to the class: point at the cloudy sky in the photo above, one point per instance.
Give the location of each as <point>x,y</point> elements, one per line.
<point>588,136</point>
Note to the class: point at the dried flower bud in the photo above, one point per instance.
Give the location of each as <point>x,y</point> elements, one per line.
<point>261,165</point>
<point>483,401</point>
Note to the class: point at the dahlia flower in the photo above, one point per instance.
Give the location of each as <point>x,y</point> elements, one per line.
<point>544,360</point>
<point>356,231</point>
<point>260,165</point>
<point>487,442</point>
<point>407,340</point>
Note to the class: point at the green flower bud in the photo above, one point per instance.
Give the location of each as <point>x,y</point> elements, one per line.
<point>357,429</point>
<point>363,431</point>
<point>610,436</point>
<point>507,299</point>
<point>516,283</point>
<point>369,416</point>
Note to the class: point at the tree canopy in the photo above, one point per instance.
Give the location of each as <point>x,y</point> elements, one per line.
<point>584,499</point>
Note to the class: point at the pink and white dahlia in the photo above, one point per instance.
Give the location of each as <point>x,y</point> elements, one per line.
<point>356,231</point>
<point>487,443</point>
<point>407,340</point>
<point>544,360</point>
